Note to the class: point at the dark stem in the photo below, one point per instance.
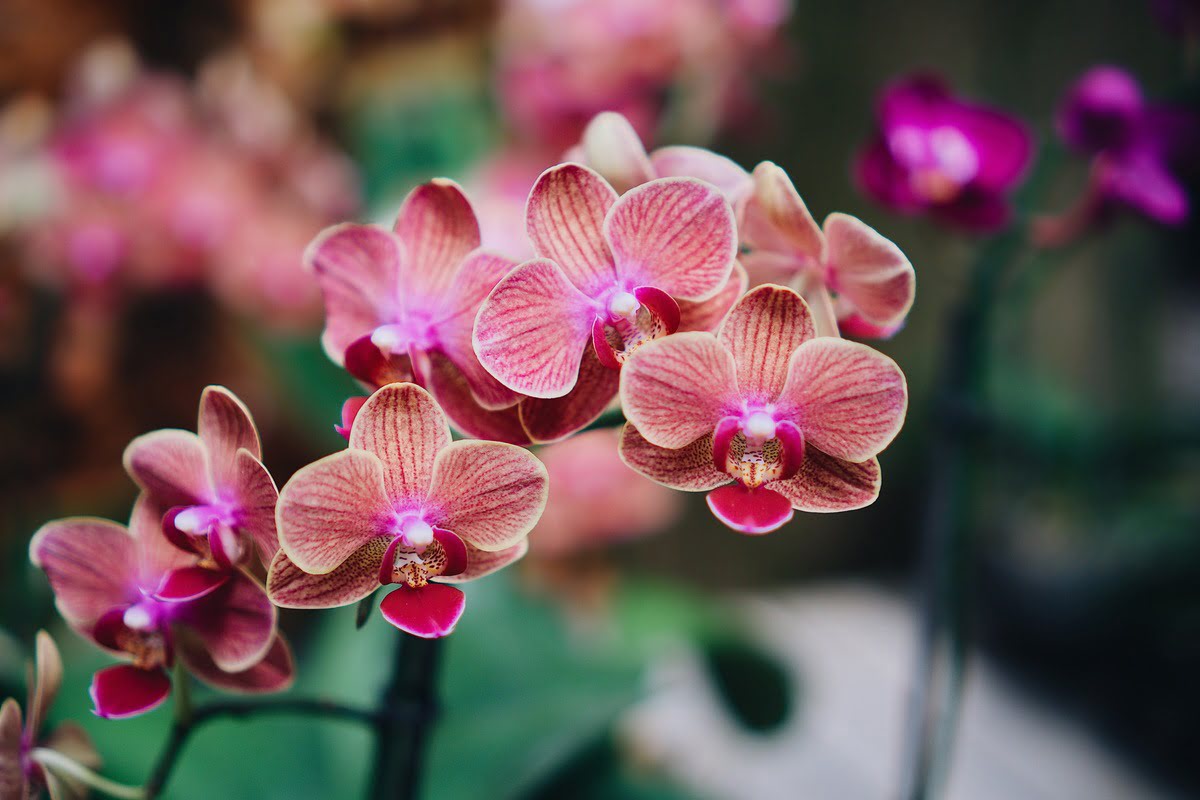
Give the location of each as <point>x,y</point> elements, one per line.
<point>401,742</point>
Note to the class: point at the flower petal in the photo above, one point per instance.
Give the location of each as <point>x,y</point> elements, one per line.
<point>868,270</point>
<point>91,564</point>
<point>677,234</point>
<point>689,468</point>
<point>156,554</point>
<point>404,428</point>
<point>366,362</point>
<point>754,511</point>
<point>225,426</point>
<point>761,332</point>
<point>775,221</point>
<point>44,685</point>
<point>350,410</point>
<point>612,147</point>
<point>674,390</point>
<point>256,498</point>
<point>330,508</point>
<point>825,483</point>
<point>681,161</point>
<point>190,583</point>
<point>565,221</point>
<point>848,399</point>
<point>274,673</point>
<point>235,624</point>
<point>531,331</point>
<point>124,691</point>
<point>1004,144</point>
<point>548,420</point>
<point>484,562</point>
<point>358,269</point>
<point>450,388</point>
<point>171,465</point>
<point>437,228</point>
<point>430,612</point>
<point>490,494</point>
<point>12,773</point>
<point>351,581</point>
<point>706,315</point>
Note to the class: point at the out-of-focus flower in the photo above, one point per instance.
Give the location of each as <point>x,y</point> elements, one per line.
<point>25,764</point>
<point>938,154</point>
<point>847,273</point>
<point>350,410</point>
<point>107,582</point>
<point>404,505</point>
<point>499,188</point>
<point>768,416</point>
<point>220,497</point>
<point>400,305</point>
<point>610,273</point>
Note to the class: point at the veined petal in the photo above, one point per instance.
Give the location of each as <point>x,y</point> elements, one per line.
<point>753,511</point>
<point>761,332</point>
<point>677,234</point>
<point>156,555</point>
<point>358,268</point>
<point>612,147</point>
<point>437,228</point>
<point>531,331</point>
<point>256,497</point>
<point>674,390</point>
<point>330,508</point>
<point>352,580</point>
<point>688,468</point>
<point>490,494</point>
<point>235,624</point>
<point>548,420</point>
<point>565,221</point>
<point>825,483</point>
<point>484,562</point>
<point>868,270</point>
<point>46,682</point>
<point>429,612</point>
<point>224,427</point>
<point>450,388</point>
<point>124,691</point>
<point>706,315</point>
<point>171,465</point>
<point>774,219</point>
<point>403,427</point>
<point>681,161</point>
<point>848,399</point>
<point>91,564</point>
<point>274,673</point>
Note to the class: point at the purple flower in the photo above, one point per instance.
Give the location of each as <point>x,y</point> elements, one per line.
<point>940,155</point>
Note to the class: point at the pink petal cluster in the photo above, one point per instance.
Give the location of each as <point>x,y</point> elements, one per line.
<point>766,416</point>
<point>404,506</point>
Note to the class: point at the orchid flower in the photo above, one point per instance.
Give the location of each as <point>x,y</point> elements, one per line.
<point>400,305</point>
<point>849,275</point>
<point>115,586</point>
<point>939,154</point>
<point>27,761</point>
<point>403,505</point>
<point>220,498</point>
<point>766,416</point>
<point>614,273</point>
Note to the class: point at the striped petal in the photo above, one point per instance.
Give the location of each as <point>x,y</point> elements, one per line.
<point>531,331</point>
<point>761,332</point>
<point>612,147</point>
<point>358,269</point>
<point>688,468</point>
<point>485,562</point>
<point>331,508</point>
<point>706,315</point>
<point>674,390</point>
<point>156,555</point>
<point>171,465</point>
<point>356,577</point>
<point>565,221</point>
<point>235,624</point>
<point>676,234</point>
<point>848,399</point>
<point>91,564</point>
<point>256,498</point>
<point>225,426</point>
<point>825,483</point>
<point>869,271</point>
<point>437,228</point>
<point>274,673</point>
<point>775,221</point>
<point>452,391</point>
<point>489,494</point>
<point>548,420</point>
<point>681,161</point>
<point>403,427</point>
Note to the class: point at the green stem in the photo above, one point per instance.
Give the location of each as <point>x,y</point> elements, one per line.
<point>183,694</point>
<point>56,762</point>
<point>402,740</point>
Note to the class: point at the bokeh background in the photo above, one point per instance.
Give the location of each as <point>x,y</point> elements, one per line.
<point>163,165</point>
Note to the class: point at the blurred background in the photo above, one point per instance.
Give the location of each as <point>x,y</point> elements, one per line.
<point>164,165</point>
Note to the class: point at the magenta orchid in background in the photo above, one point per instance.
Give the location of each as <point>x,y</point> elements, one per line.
<point>219,497</point>
<point>404,505</point>
<point>614,273</point>
<point>766,416</point>
<point>109,584</point>
<point>29,762</point>
<point>851,277</point>
<point>400,306</point>
<point>935,153</point>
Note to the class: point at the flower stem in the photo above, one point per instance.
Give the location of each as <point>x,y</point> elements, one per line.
<point>56,762</point>
<point>402,739</point>
<point>183,694</point>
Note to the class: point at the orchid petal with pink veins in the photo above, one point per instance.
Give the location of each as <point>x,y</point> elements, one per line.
<point>753,511</point>
<point>681,161</point>
<point>453,393</point>
<point>349,582</point>
<point>565,219</point>
<point>706,315</point>
<point>274,673</point>
<point>404,429</point>
<point>869,271</point>
<point>548,420</point>
<point>437,228</point>
<point>235,624</point>
<point>689,468</point>
<point>256,498</point>
<point>848,399</point>
<point>612,147</point>
<point>170,464</point>
<point>92,565</point>
<point>429,612</point>
<point>674,390</point>
<point>12,773</point>
<point>124,690</point>
<point>676,234</point>
<point>761,332</point>
<point>224,427</point>
<point>825,484</point>
<point>491,494</point>
<point>531,331</point>
<point>484,562</point>
<point>775,221</point>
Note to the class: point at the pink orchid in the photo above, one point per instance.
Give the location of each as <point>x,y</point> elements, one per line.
<point>403,505</point>
<point>400,305</point>
<point>850,275</point>
<point>614,273</point>
<point>767,415</point>
<point>25,761</point>
<point>220,498</point>
<point>115,587</point>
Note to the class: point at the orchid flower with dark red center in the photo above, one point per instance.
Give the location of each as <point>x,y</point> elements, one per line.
<point>25,764</point>
<point>400,305</point>
<point>108,584</point>
<point>404,506</point>
<point>612,275</point>
<point>766,416</point>
<point>220,498</point>
<point>847,273</point>
<point>937,154</point>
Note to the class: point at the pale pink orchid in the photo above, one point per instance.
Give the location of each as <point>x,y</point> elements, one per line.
<point>614,273</point>
<point>219,497</point>
<point>850,275</point>
<point>766,416</point>
<point>115,586</point>
<point>404,505</point>
<point>400,305</point>
<point>29,762</point>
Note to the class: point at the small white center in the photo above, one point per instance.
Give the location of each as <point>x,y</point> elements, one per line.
<point>760,426</point>
<point>623,304</point>
<point>954,155</point>
<point>417,533</point>
<point>192,520</point>
<point>390,339</point>
<point>137,618</point>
